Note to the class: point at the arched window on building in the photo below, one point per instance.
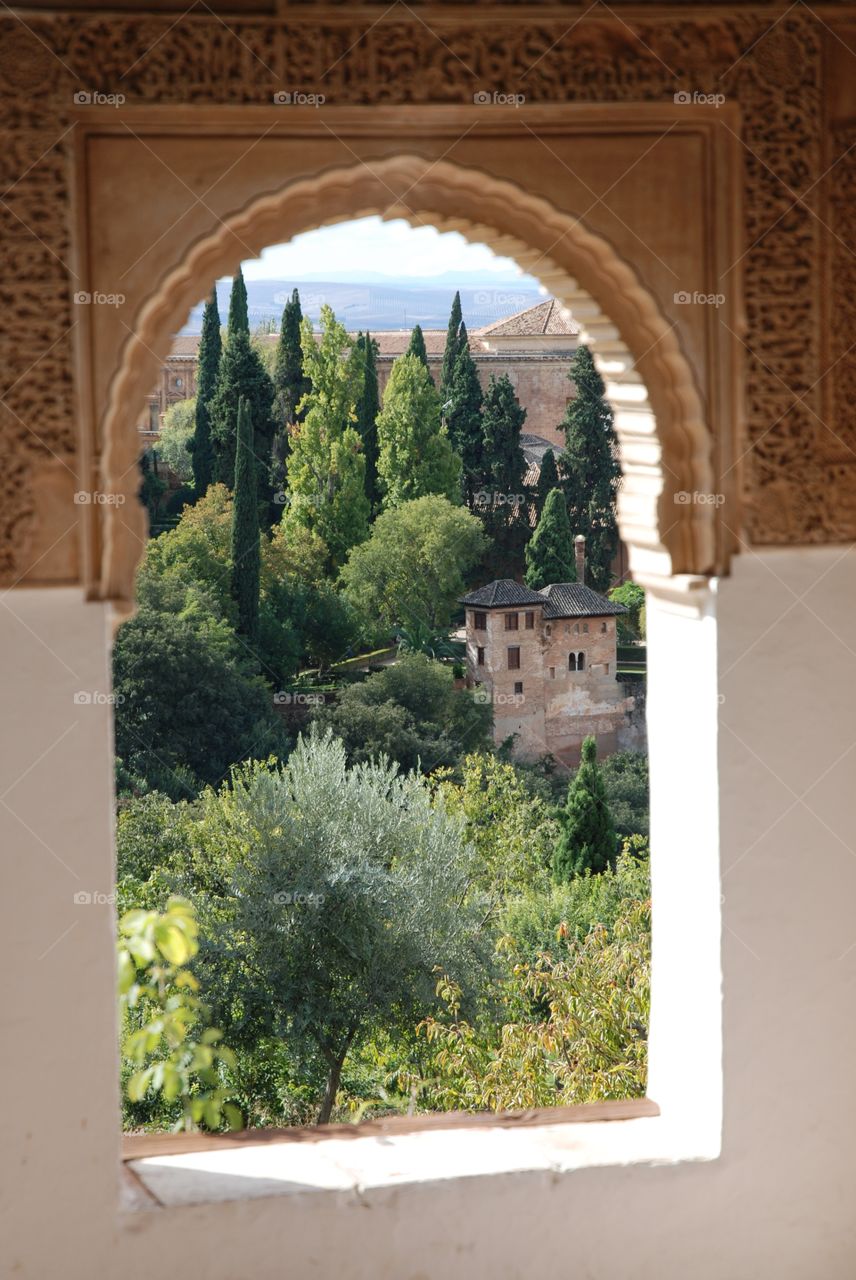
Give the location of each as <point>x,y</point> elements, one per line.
<point>572,662</point>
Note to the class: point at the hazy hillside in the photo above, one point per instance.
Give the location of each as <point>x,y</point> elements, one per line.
<point>384,304</point>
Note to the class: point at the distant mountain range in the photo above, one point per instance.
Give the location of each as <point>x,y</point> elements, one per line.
<point>383,302</point>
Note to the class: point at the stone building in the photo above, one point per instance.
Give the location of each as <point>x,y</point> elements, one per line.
<point>547,661</point>
<point>534,347</point>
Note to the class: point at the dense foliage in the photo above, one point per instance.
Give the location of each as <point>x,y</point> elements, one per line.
<point>392,913</point>
<point>550,550</point>
<point>410,713</point>
<point>590,470</point>
<point>413,566</point>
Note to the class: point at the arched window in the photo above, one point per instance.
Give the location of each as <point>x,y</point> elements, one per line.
<point>581,661</point>
<point>572,662</point>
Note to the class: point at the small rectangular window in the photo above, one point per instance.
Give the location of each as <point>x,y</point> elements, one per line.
<point>585,628</point>
<point>518,686</point>
<point>530,621</point>
<point>480,656</point>
<point>480,621</point>
<point>511,622</point>
<point>514,657</point>
<point>552,673</point>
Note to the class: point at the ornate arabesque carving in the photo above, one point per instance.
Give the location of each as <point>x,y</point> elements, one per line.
<point>793,495</point>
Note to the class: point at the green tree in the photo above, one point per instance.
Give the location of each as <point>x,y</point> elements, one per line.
<point>327,467</point>
<point>590,470</point>
<point>416,346</point>
<point>504,507</point>
<point>246,551</point>
<point>412,567</point>
<point>210,345</point>
<point>548,480</point>
<point>502,421</point>
<point>410,712</point>
<point>587,1041</point>
<point>632,626</point>
<point>415,456</point>
<point>463,418</point>
<point>550,550</point>
<point>171,1051</point>
<point>452,349</point>
<point>241,375</point>
<point>175,443</point>
<point>625,776</point>
<point>328,924</point>
<point>368,408</point>
<point>512,832</point>
<point>189,703</point>
<point>290,383</point>
<point>587,840</point>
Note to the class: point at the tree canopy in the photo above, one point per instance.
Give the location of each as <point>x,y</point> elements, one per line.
<point>587,840</point>
<point>550,550</point>
<point>208,364</point>
<point>590,470</point>
<point>328,925</point>
<point>411,568</point>
<point>327,467</point>
<point>415,456</point>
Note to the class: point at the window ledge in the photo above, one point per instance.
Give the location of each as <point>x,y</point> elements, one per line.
<point>179,1170</point>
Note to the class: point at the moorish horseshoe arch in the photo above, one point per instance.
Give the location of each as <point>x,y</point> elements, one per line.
<point>665,442</point>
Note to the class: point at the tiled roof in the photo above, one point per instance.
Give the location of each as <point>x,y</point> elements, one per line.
<point>505,591</point>
<point>573,600</point>
<point>549,317</point>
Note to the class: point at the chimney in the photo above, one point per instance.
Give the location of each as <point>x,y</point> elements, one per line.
<point>580,556</point>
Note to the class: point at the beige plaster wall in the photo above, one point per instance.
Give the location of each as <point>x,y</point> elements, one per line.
<point>776,827</point>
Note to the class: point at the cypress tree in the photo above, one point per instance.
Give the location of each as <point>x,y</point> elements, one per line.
<point>246,550</point>
<point>241,374</point>
<point>502,422</point>
<point>290,383</point>
<point>590,471</point>
<point>464,418</point>
<point>452,349</point>
<point>417,346</point>
<point>587,834</point>
<point>550,550</point>
<point>201,447</point>
<point>238,311</point>
<point>506,514</point>
<point>548,479</point>
<point>367,410</point>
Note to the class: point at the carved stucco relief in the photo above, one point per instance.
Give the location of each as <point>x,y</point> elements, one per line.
<point>793,495</point>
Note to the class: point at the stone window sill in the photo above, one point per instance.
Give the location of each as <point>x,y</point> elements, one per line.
<point>174,1170</point>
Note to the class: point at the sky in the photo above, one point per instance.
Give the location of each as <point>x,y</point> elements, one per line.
<point>369,247</point>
